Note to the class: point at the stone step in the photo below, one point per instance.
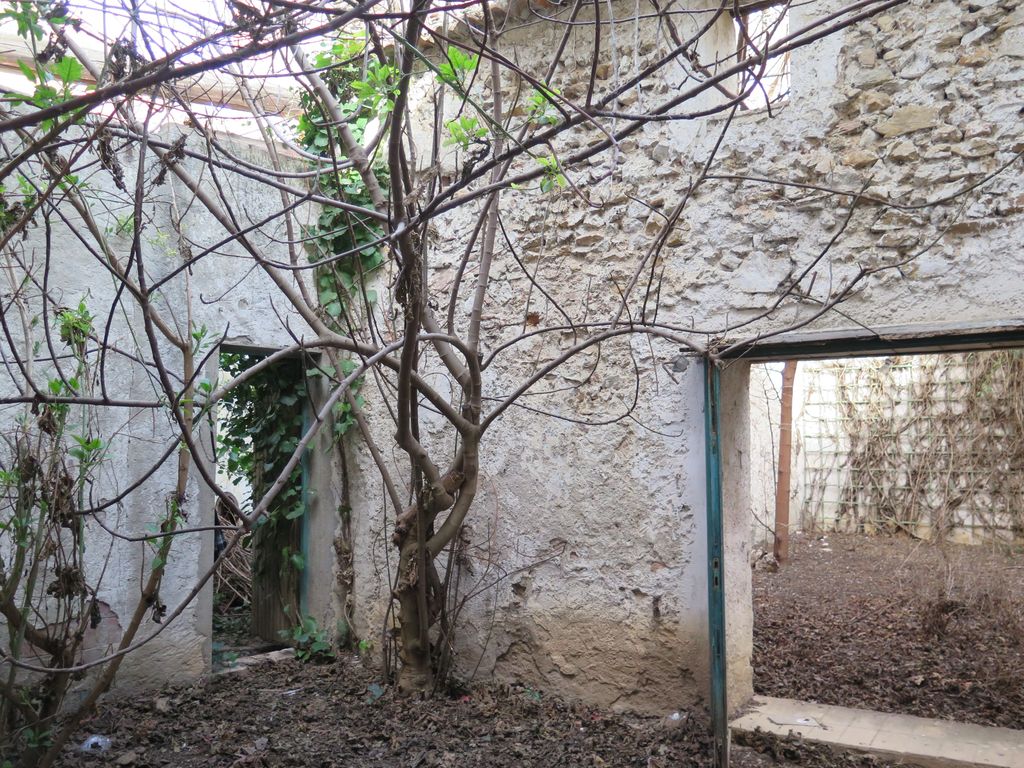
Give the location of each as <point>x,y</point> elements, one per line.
<point>916,740</point>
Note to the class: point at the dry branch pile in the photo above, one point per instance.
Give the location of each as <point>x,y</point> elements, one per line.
<point>233,580</point>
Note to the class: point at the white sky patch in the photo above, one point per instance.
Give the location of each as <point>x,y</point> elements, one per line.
<point>156,28</point>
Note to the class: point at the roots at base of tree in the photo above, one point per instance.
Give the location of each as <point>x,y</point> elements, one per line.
<point>415,679</point>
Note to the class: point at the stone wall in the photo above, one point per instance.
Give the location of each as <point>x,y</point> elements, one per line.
<point>597,531</point>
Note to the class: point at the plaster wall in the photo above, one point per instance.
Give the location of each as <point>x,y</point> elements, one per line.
<point>222,293</point>
<point>765,412</point>
<point>590,526</point>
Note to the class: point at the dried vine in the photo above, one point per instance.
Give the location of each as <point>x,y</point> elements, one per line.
<point>929,446</point>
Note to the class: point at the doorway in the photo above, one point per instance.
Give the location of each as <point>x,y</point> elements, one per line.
<point>259,586</point>
<point>901,588</point>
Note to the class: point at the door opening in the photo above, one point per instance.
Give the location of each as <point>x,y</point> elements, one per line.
<point>259,586</point>
<point>905,587</point>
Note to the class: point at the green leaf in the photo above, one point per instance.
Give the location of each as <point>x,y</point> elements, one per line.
<point>27,71</point>
<point>68,70</point>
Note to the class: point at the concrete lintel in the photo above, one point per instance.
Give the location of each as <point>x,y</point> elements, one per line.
<point>887,340</point>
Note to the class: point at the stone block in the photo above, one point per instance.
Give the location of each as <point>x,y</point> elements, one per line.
<point>949,40</point>
<point>1012,43</point>
<point>875,101</point>
<point>908,120</point>
<point>867,57</point>
<point>859,158</point>
<point>946,133</point>
<point>872,78</point>
<point>917,66</point>
<point>976,148</point>
<point>898,239</point>
<point>1016,18</point>
<point>976,57</point>
<point>847,127</point>
<point>662,153</point>
<point>904,152</point>
<point>974,36</point>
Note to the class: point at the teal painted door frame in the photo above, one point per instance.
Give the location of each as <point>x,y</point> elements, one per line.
<point>716,562</point>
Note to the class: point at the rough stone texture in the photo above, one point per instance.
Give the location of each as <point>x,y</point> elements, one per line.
<point>912,124</point>
<point>908,120</point>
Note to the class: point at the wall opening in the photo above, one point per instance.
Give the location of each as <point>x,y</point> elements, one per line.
<point>259,586</point>
<point>757,29</point>
<point>903,586</point>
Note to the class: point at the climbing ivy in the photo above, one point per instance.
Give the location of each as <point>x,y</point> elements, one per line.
<point>343,243</point>
<point>52,72</point>
<point>260,429</point>
<point>364,88</point>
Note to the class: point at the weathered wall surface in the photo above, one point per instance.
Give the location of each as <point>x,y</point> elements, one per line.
<point>921,445</point>
<point>916,105</point>
<point>586,565</point>
<point>584,586</point>
<point>765,412</point>
<point>597,531</point>
<point>222,293</point>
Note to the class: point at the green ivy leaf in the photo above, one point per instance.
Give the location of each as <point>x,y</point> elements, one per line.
<point>68,70</point>
<point>27,71</point>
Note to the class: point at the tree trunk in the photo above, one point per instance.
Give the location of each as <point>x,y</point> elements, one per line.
<point>781,547</point>
<point>414,674</point>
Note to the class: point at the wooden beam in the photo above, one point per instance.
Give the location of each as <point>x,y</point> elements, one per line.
<point>212,88</point>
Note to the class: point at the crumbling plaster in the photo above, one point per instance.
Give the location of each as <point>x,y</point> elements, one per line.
<point>909,108</point>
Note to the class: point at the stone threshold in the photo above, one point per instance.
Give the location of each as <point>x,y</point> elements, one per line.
<point>915,740</point>
<point>248,662</point>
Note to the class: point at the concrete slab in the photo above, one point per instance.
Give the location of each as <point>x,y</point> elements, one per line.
<point>915,740</point>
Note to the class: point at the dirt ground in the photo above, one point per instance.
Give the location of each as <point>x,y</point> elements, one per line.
<point>886,624</point>
<point>895,625</point>
<point>337,714</point>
